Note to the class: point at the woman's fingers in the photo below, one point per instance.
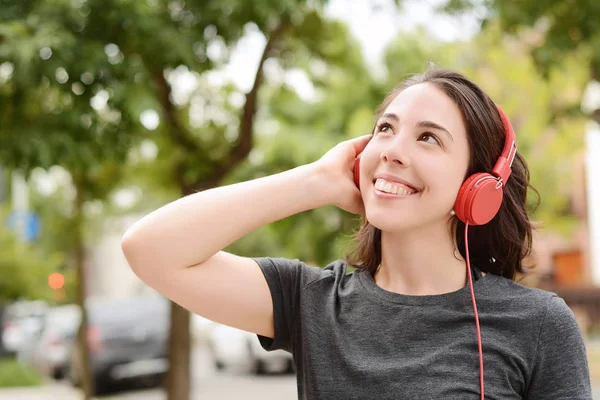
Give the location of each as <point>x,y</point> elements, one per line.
<point>360,143</point>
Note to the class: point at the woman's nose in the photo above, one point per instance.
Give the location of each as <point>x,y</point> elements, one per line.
<point>396,152</point>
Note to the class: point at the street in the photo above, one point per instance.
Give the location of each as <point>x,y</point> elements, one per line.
<point>207,384</point>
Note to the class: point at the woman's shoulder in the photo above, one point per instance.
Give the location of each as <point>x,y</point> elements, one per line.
<point>339,268</point>
<point>515,288</point>
<point>514,295</point>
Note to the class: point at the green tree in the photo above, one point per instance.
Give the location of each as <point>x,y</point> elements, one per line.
<point>56,112</point>
<point>555,32</point>
<point>292,130</point>
<point>199,152</point>
<point>77,76</point>
<point>24,268</point>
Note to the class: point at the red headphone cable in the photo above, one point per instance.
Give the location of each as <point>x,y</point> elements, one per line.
<point>476,314</point>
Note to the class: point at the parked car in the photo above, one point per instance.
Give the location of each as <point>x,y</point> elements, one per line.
<point>22,320</point>
<point>235,348</point>
<point>52,350</point>
<point>128,341</point>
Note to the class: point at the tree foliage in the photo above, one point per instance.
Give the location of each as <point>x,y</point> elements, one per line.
<point>557,32</point>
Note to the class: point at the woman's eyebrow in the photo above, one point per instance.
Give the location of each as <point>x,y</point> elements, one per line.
<point>391,116</point>
<point>433,125</point>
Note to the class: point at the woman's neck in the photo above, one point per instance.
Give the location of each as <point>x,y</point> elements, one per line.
<point>420,263</point>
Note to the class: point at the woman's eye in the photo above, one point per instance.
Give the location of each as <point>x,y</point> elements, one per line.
<point>431,138</point>
<point>384,127</point>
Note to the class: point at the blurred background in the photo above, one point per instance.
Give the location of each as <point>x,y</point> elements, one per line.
<point>112,108</point>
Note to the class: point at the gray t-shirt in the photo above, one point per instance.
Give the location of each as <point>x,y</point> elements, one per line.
<point>352,339</point>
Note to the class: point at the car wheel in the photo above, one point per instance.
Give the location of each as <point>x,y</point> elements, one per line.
<point>291,368</point>
<point>58,373</point>
<point>219,365</point>
<point>103,386</point>
<point>258,367</point>
<point>152,381</point>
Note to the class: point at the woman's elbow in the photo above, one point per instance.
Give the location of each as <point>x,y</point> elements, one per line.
<point>130,246</point>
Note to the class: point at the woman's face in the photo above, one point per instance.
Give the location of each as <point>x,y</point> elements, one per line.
<point>414,165</point>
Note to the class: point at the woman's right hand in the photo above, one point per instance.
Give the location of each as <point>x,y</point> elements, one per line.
<point>336,169</point>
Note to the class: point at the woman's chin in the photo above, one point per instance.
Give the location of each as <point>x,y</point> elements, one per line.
<point>384,223</point>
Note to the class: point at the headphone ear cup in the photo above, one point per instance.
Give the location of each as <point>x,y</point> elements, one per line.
<point>479,199</point>
<point>357,171</point>
<point>461,198</point>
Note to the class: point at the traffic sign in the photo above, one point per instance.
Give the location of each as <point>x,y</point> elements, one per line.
<point>25,223</point>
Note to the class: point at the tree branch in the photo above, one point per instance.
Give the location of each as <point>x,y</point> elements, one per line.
<point>245,142</point>
<point>176,131</point>
<point>243,147</point>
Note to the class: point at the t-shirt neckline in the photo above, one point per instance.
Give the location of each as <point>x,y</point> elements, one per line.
<point>461,294</point>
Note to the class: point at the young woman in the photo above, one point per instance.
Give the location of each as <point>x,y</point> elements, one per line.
<point>419,317</point>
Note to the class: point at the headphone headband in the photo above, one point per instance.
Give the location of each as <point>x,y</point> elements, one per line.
<point>502,169</point>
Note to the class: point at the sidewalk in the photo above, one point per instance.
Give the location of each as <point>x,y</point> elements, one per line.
<point>50,391</point>
<point>593,348</point>
<point>60,391</point>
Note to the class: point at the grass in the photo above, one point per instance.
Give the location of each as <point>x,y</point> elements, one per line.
<point>15,374</point>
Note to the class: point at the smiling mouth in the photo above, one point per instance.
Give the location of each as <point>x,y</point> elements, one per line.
<point>394,187</point>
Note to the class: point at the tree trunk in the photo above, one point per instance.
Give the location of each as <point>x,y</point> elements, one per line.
<point>178,378</point>
<point>87,383</point>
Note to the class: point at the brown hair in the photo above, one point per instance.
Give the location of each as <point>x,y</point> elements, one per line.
<point>500,246</point>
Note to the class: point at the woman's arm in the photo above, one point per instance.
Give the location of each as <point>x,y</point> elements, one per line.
<point>190,230</point>
<point>177,248</point>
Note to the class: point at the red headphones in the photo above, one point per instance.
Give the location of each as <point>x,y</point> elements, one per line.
<point>480,195</point>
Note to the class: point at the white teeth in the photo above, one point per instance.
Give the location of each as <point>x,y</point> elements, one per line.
<point>393,187</point>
